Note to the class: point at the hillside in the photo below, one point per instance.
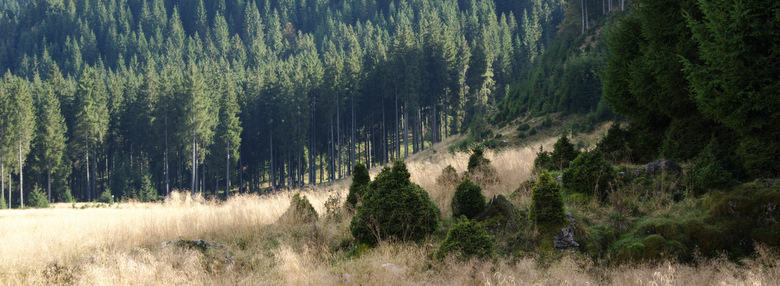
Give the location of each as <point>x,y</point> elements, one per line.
<point>246,243</point>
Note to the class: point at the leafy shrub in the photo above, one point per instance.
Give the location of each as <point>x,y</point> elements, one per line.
<point>711,170</point>
<point>468,200</point>
<point>479,169</point>
<point>106,197</point>
<point>547,123</point>
<point>547,202</point>
<point>523,127</point>
<point>614,145</point>
<point>468,239</point>
<point>394,208</point>
<point>37,199</point>
<point>589,174</point>
<point>532,132</point>
<point>300,211</point>
<point>542,161</point>
<point>563,153</point>
<point>449,177</point>
<point>360,180</point>
<point>67,196</point>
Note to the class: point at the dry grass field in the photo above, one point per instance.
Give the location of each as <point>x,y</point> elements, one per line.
<point>123,244</point>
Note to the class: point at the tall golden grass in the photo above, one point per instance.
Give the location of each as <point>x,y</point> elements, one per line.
<point>121,244</point>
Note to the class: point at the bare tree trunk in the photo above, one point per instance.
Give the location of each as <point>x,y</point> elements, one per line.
<point>167,182</point>
<point>89,194</point>
<point>194,179</point>
<point>48,183</point>
<point>352,142</point>
<point>21,181</point>
<point>397,146</point>
<point>272,178</point>
<point>582,8</point>
<point>227,171</point>
<point>406,131</point>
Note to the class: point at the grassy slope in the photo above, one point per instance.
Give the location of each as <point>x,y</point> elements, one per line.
<point>122,243</point>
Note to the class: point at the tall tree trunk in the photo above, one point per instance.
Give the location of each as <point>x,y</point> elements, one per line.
<point>582,8</point>
<point>383,137</point>
<point>48,183</point>
<point>352,142</point>
<point>338,137</point>
<point>194,166</point>
<point>272,178</point>
<point>88,193</point>
<point>21,180</point>
<point>227,171</point>
<point>167,170</point>
<point>397,146</point>
<point>406,131</point>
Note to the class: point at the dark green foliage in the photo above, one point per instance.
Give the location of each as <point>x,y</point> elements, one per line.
<point>589,174</point>
<point>614,145</point>
<point>547,202</point>
<point>542,161</point>
<point>300,211</point>
<point>523,127</point>
<point>563,153</point>
<point>712,170</point>
<point>532,132</point>
<point>449,177</point>
<point>394,208</point>
<point>750,211</point>
<point>477,159</point>
<point>360,181</point>
<point>106,197</point>
<point>37,199</point>
<point>468,239</point>
<point>468,200</point>
<point>734,81</point>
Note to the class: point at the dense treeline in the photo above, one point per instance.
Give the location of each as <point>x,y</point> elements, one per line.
<point>142,97</point>
<point>700,79</point>
<point>565,76</point>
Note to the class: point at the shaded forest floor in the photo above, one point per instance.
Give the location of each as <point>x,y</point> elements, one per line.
<point>156,243</point>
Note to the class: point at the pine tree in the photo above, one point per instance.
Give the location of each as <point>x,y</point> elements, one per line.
<point>21,123</point>
<point>50,137</point>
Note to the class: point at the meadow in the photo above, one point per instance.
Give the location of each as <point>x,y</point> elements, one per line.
<point>125,243</point>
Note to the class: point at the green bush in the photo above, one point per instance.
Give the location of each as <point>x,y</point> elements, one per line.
<point>300,211</point>
<point>67,196</point>
<point>477,158</point>
<point>523,127</point>
<point>468,200</point>
<point>542,161</point>
<point>37,199</point>
<point>360,181</point>
<point>468,239</point>
<point>532,132</point>
<point>589,174</point>
<point>614,145</point>
<point>563,153</point>
<point>449,177</point>
<point>3,205</point>
<point>106,197</point>
<point>547,202</point>
<point>394,208</point>
<point>711,170</point>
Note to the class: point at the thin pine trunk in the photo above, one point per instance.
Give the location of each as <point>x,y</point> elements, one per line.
<point>21,181</point>
<point>167,181</point>
<point>227,171</point>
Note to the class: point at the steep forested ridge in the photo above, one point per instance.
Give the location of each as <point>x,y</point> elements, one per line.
<point>164,94</point>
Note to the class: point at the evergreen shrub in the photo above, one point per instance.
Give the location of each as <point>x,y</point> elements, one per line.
<point>300,211</point>
<point>360,181</point>
<point>469,239</point>
<point>468,200</point>
<point>37,199</point>
<point>589,174</point>
<point>394,208</point>
<point>547,202</point>
<point>106,197</point>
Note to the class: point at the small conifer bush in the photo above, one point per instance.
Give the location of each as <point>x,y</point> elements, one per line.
<point>589,174</point>
<point>480,170</point>
<point>468,200</point>
<point>106,197</point>
<point>37,199</point>
<point>563,153</point>
<point>360,180</point>
<point>449,177</point>
<point>547,202</point>
<point>394,208</point>
<point>300,211</point>
<point>468,239</point>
